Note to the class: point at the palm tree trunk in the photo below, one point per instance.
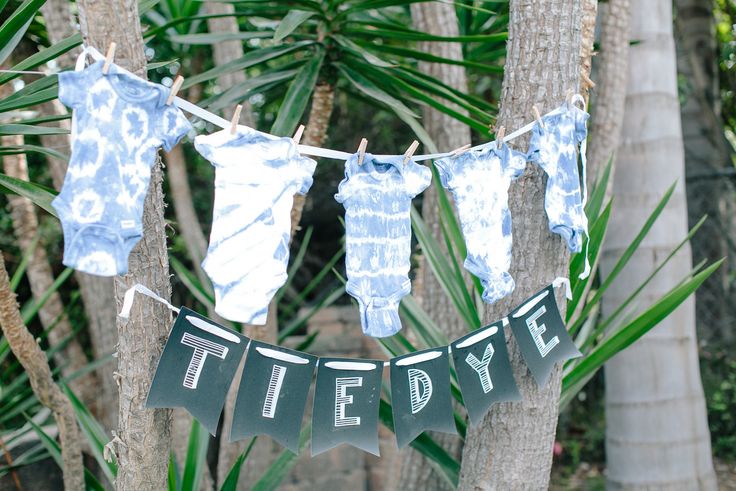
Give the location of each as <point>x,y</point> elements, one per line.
<point>657,434</point>
<point>512,448</point>
<point>33,359</point>
<point>96,291</point>
<point>41,278</point>
<point>706,152</point>
<point>608,104</point>
<point>440,19</point>
<point>144,435</point>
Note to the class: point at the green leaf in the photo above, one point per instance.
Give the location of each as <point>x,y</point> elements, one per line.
<point>54,449</point>
<point>18,149</point>
<point>297,97</point>
<point>216,37</point>
<point>625,257</point>
<point>27,129</point>
<point>633,330</point>
<point>384,30</point>
<point>250,59</point>
<point>424,56</point>
<point>43,56</point>
<point>95,434</point>
<point>446,466</point>
<point>39,195</point>
<point>276,472</point>
<point>293,19</point>
<point>443,271</point>
<point>231,481</point>
<point>13,29</point>
<point>196,458</point>
<point>371,90</point>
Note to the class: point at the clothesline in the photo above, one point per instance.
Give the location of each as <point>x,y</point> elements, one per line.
<point>303,149</point>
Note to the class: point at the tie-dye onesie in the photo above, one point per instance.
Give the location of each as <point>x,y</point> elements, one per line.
<point>119,122</point>
<point>479,181</point>
<point>256,176</point>
<point>377,198</point>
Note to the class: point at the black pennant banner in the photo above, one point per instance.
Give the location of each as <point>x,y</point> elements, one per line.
<point>196,368</point>
<point>272,394</point>
<point>201,358</point>
<point>541,334</point>
<point>346,399</point>
<point>420,394</point>
<point>483,370</point>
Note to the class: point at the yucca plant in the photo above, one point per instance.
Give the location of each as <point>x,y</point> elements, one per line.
<point>599,338</point>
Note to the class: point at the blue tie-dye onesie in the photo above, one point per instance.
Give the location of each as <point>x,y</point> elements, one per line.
<point>119,122</point>
<point>479,181</point>
<point>554,148</point>
<point>377,198</point>
<point>256,177</point>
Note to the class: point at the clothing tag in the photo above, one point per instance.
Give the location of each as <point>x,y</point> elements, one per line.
<point>126,224</point>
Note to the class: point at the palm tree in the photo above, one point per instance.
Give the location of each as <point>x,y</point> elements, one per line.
<point>657,434</point>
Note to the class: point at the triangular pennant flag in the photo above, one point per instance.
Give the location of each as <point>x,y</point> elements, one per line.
<point>541,334</point>
<point>483,370</point>
<point>195,370</point>
<point>346,401</point>
<point>420,394</point>
<point>272,394</point>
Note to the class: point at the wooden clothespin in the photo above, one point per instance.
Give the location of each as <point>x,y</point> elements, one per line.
<point>361,150</point>
<point>500,133</point>
<point>298,135</point>
<point>459,151</point>
<point>537,116</point>
<point>236,118</point>
<point>410,151</point>
<point>174,89</point>
<point>109,57</point>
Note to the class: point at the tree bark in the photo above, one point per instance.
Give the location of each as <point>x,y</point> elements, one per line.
<point>657,433</point>
<point>512,448</point>
<point>447,133</point>
<point>612,74</point>
<point>33,360</point>
<point>144,435</point>
<point>41,278</point>
<point>706,152</point>
<point>96,291</point>
<point>226,51</point>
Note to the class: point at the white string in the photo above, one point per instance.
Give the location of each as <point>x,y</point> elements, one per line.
<point>561,280</point>
<point>130,293</point>
<point>303,149</point>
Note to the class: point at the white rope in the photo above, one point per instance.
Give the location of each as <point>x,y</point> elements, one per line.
<point>130,293</point>
<point>303,149</point>
<point>561,280</point>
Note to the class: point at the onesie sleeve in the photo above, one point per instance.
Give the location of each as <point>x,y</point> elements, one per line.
<point>580,118</point>
<point>534,146</point>
<point>514,162</point>
<point>73,88</point>
<point>174,125</point>
<point>344,189</point>
<point>416,178</point>
<point>445,168</point>
<point>304,170</point>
